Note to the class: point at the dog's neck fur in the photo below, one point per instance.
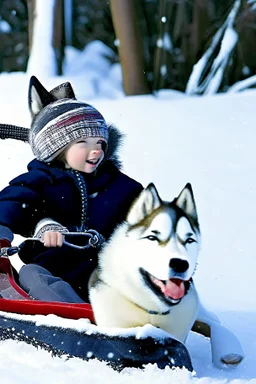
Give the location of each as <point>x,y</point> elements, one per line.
<point>150,312</point>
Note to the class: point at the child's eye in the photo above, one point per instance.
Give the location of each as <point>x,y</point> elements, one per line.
<point>81,141</point>
<point>103,145</point>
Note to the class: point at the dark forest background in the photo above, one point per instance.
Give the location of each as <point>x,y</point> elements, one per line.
<point>157,42</point>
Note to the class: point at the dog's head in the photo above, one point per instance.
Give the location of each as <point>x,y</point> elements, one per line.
<point>167,237</point>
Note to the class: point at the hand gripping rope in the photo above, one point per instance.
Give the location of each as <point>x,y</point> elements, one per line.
<point>93,238</point>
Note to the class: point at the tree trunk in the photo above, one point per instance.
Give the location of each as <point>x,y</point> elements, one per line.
<point>130,48</point>
<point>31,15</point>
<point>200,23</point>
<point>49,60</point>
<point>58,39</point>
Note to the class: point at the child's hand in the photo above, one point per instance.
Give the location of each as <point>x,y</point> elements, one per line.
<point>53,239</point>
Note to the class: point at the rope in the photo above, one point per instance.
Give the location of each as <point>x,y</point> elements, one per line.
<point>8,131</point>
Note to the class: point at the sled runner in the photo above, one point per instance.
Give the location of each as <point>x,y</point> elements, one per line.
<point>69,329</point>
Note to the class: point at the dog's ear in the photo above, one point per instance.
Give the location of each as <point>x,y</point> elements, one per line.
<point>63,91</point>
<point>186,202</point>
<point>38,96</point>
<point>144,205</point>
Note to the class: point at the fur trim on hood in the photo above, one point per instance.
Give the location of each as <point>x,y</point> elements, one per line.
<point>115,140</point>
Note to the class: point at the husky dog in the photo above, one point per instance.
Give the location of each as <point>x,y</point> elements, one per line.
<point>145,274</point>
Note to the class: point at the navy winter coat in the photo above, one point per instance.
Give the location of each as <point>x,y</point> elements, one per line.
<point>50,191</point>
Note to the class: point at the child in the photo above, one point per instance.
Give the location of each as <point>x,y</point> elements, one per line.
<point>74,184</point>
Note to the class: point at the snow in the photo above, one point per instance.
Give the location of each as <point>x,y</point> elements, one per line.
<point>165,42</point>
<point>241,85</point>
<point>227,37</point>
<point>171,139</point>
<point>5,27</point>
<point>85,326</point>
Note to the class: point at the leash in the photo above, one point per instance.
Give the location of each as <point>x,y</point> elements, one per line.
<point>93,238</point>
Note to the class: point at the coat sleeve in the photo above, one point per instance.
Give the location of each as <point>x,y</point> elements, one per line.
<point>48,224</point>
<point>22,203</point>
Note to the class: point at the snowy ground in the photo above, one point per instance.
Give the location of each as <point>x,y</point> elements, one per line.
<point>170,139</point>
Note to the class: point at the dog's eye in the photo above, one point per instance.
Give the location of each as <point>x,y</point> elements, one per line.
<point>152,238</point>
<point>190,240</point>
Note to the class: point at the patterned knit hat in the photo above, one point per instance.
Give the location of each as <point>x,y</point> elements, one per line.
<point>58,119</point>
<point>60,124</point>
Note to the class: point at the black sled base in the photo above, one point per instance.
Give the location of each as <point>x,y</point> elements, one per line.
<point>133,347</point>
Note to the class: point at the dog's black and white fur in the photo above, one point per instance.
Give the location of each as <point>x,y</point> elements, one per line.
<point>145,274</point>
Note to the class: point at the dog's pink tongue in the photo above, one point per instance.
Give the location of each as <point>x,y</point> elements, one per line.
<point>174,288</point>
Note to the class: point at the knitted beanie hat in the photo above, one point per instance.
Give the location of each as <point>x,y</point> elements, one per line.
<point>61,123</point>
<point>58,120</point>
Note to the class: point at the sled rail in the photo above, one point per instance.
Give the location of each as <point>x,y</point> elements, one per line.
<point>35,307</point>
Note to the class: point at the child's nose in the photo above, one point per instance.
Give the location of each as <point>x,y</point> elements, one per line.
<point>96,151</point>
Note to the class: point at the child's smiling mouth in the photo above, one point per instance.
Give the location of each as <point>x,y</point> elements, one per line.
<point>93,161</point>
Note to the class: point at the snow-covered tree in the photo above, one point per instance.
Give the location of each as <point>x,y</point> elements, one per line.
<point>45,37</point>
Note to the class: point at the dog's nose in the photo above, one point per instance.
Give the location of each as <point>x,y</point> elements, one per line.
<point>179,265</point>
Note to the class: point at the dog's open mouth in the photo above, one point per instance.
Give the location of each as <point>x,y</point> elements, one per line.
<point>172,290</point>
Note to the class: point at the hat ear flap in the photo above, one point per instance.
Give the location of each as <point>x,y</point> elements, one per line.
<point>63,91</point>
<point>38,96</point>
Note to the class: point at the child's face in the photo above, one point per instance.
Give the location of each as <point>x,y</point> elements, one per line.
<point>85,154</point>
